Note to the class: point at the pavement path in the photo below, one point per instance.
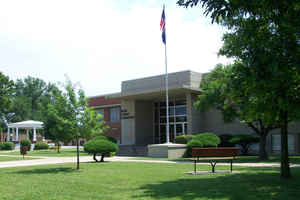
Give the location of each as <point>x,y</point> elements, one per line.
<point>60,160</point>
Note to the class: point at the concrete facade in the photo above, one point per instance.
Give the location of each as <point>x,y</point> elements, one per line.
<point>138,102</point>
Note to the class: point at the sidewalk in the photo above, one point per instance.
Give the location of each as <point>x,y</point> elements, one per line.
<point>60,160</point>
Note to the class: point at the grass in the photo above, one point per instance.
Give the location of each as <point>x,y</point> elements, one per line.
<point>49,153</point>
<point>117,181</point>
<point>240,159</point>
<point>7,158</point>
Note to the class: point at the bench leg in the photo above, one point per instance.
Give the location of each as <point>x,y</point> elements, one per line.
<point>213,164</point>
<point>195,167</point>
<point>230,165</point>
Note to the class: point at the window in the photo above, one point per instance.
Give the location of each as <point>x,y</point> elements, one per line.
<point>115,114</point>
<point>101,112</point>
<point>276,143</point>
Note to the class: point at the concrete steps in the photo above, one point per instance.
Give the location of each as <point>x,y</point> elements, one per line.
<point>132,150</point>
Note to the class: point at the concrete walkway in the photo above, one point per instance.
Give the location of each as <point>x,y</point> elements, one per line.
<point>60,160</point>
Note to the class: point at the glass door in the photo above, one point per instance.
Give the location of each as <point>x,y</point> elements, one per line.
<point>177,120</point>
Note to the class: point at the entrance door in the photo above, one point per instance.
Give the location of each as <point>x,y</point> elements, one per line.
<point>177,120</point>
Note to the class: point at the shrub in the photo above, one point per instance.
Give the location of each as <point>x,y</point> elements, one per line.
<point>183,139</point>
<point>208,139</point>
<point>195,143</point>
<point>112,139</point>
<point>98,146</point>
<point>109,138</point>
<point>7,146</point>
<point>202,140</point>
<point>41,145</point>
<point>225,140</point>
<point>244,141</point>
<point>1,145</point>
<point>25,143</point>
<point>100,137</point>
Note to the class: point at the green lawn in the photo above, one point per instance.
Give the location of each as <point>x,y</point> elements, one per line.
<point>117,181</point>
<point>240,159</point>
<point>7,158</point>
<point>49,153</point>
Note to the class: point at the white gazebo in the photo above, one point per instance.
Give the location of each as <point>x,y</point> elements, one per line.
<point>24,125</point>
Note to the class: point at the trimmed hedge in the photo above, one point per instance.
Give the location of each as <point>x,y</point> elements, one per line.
<point>41,145</point>
<point>225,140</point>
<point>206,140</point>
<point>202,140</point>
<point>109,138</point>
<point>98,146</point>
<point>25,143</point>
<point>112,139</point>
<point>183,139</point>
<point>244,141</point>
<point>7,146</point>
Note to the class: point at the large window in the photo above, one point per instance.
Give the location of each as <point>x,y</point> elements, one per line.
<point>276,143</point>
<point>101,112</point>
<point>177,120</point>
<point>115,114</point>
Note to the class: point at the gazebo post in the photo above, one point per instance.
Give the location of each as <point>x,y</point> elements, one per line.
<point>8,134</point>
<point>17,134</point>
<point>27,133</point>
<point>34,134</point>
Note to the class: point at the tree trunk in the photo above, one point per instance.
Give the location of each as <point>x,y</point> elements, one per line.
<point>58,146</point>
<point>102,157</point>
<point>263,155</point>
<point>284,164</point>
<point>77,144</point>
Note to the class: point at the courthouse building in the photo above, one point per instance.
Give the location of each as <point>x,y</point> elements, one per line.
<point>137,115</point>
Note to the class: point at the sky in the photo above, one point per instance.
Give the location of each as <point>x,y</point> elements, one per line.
<point>100,43</point>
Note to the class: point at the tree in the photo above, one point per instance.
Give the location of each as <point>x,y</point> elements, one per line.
<point>58,124</point>
<point>32,95</point>
<point>100,146</point>
<point>69,117</point>
<point>6,93</point>
<point>265,38</point>
<point>217,92</point>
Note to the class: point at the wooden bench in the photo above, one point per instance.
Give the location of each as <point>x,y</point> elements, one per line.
<point>214,154</point>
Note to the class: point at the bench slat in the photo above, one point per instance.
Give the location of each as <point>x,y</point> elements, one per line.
<point>228,158</point>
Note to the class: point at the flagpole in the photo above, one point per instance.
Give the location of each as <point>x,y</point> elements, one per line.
<point>167,95</point>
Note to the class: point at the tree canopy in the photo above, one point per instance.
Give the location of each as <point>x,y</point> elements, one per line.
<point>6,94</point>
<point>70,118</point>
<point>265,37</point>
<point>236,103</point>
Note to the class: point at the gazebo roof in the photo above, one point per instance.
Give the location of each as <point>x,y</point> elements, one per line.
<point>26,124</point>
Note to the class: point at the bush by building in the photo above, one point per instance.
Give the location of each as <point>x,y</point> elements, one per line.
<point>202,140</point>
<point>244,141</point>
<point>225,140</point>
<point>7,146</point>
<point>41,146</point>
<point>100,147</point>
<point>207,139</point>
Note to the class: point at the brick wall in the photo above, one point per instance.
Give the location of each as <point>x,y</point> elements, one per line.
<point>106,103</point>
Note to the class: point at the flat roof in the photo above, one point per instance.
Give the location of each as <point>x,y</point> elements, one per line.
<point>181,81</point>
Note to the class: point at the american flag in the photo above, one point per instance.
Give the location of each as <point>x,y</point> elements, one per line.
<point>163,26</point>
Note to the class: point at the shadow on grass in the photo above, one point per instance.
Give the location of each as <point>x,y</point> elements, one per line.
<point>48,171</point>
<point>255,185</point>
